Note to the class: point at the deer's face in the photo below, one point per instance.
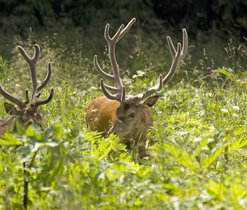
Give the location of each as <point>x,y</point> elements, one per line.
<point>130,120</point>
<point>25,116</point>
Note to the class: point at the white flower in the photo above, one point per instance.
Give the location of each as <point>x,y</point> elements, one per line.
<point>224,111</point>
<point>236,108</point>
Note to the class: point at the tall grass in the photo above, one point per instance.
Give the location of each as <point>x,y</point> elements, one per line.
<point>197,143</point>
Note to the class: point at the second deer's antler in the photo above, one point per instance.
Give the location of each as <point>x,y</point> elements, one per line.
<point>32,65</point>
<point>36,89</point>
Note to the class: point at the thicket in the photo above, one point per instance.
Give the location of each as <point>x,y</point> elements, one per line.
<point>207,15</point>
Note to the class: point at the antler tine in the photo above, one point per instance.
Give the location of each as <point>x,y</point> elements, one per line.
<point>126,28</point>
<point>147,93</point>
<point>185,44</point>
<point>106,93</point>
<point>154,89</point>
<point>48,77</point>
<point>10,97</point>
<point>100,71</point>
<point>27,98</point>
<point>13,99</point>
<point>32,65</point>
<point>37,102</point>
<point>114,39</point>
<point>175,62</point>
<point>171,46</point>
<point>177,55</point>
<point>110,88</point>
<point>37,94</point>
<point>120,97</point>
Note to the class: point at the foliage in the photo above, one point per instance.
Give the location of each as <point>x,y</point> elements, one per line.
<point>3,69</point>
<point>197,143</point>
<point>28,146</point>
<point>205,15</point>
<point>18,16</point>
<point>230,17</point>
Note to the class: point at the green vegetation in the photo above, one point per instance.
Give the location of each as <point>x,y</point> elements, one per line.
<point>205,15</point>
<point>197,144</point>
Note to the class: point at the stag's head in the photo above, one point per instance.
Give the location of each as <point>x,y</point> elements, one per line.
<point>26,111</point>
<point>133,110</point>
<point>133,119</point>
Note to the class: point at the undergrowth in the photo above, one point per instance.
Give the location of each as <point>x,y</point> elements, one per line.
<point>197,143</point>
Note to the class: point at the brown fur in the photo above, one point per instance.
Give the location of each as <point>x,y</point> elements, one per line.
<point>110,116</point>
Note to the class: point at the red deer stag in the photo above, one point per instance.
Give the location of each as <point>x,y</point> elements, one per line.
<point>26,112</point>
<point>128,116</point>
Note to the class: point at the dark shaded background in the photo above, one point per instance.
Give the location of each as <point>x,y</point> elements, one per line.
<point>224,16</point>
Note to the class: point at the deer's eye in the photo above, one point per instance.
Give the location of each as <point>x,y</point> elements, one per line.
<point>132,115</point>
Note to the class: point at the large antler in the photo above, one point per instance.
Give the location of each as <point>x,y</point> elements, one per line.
<point>36,89</point>
<point>120,90</point>
<point>177,55</point>
<point>32,65</point>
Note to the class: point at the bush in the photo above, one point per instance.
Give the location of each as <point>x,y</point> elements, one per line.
<point>230,17</point>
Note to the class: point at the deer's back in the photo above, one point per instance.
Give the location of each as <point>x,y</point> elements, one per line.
<point>101,114</point>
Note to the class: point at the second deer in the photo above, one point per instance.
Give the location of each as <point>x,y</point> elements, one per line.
<point>128,116</point>
<point>26,112</point>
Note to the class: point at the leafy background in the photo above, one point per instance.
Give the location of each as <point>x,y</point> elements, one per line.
<point>198,140</point>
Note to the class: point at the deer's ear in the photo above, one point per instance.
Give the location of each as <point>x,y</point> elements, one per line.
<point>10,109</point>
<point>151,101</point>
